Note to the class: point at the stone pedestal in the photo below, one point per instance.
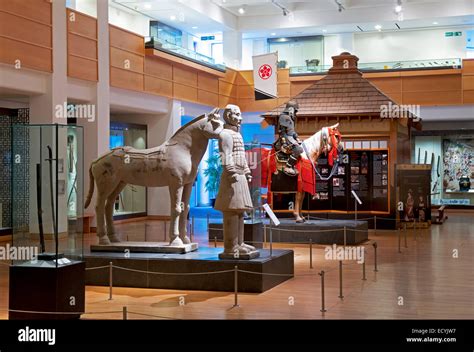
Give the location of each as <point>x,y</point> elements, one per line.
<point>144,247</point>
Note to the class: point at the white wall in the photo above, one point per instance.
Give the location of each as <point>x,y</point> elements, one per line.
<point>132,22</point>
<point>251,47</point>
<point>410,45</point>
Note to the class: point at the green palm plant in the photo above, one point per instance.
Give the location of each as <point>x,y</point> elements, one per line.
<point>213,174</point>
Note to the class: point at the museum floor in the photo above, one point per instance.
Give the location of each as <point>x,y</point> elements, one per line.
<point>431,283</point>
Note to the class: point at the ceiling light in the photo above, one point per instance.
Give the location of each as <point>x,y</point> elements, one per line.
<point>398,8</point>
<point>273,33</point>
<point>147,6</point>
<point>325,30</point>
<point>378,27</point>
<point>173,18</point>
<point>194,27</point>
<point>435,22</point>
<point>241,10</point>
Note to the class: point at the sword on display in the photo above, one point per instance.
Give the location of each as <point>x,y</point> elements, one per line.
<point>51,184</point>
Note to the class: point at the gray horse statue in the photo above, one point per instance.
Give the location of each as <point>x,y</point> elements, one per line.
<point>173,164</point>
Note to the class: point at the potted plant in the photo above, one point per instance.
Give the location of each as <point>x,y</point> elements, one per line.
<point>213,174</point>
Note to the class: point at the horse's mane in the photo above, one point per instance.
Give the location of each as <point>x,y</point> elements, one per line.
<point>188,124</point>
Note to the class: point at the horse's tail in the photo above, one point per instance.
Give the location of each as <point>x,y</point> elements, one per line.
<point>91,188</point>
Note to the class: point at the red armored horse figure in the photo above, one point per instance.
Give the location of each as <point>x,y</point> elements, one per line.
<point>327,142</point>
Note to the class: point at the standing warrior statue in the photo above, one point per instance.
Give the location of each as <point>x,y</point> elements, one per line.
<point>288,141</point>
<point>233,198</point>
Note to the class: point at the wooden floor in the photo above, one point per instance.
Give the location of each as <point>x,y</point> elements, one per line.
<point>426,278</point>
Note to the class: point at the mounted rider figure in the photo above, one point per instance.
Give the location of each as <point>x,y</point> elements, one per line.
<point>289,142</point>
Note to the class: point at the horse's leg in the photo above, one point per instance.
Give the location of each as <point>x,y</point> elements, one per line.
<point>176,193</point>
<point>100,217</point>
<point>297,209</point>
<point>183,218</point>
<point>109,212</point>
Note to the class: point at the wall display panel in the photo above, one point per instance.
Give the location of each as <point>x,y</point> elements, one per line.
<point>364,171</point>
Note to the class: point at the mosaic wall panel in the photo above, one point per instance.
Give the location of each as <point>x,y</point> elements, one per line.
<point>21,181</point>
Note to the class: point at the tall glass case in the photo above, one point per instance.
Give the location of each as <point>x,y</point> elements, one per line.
<point>47,194</point>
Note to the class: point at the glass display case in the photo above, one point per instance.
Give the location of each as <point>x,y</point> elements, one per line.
<point>47,194</point>
<point>428,64</point>
<point>132,201</point>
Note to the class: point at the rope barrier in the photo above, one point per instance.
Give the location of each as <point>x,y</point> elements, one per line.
<point>98,267</point>
<point>152,315</point>
<point>37,312</point>
<point>268,274</point>
<point>161,273</point>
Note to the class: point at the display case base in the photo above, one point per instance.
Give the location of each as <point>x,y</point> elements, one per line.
<point>144,247</point>
<point>319,231</point>
<point>206,260</point>
<point>47,289</point>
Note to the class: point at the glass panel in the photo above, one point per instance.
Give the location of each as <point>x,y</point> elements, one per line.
<point>132,200</point>
<point>159,44</point>
<point>47,169</point>
<point>387,65</point>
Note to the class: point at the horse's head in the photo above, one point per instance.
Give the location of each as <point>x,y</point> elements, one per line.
<point>332,141</point>
<point>212,125</point>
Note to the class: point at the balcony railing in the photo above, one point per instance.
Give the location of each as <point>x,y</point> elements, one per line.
<point>155,43</point>
<point>383,66</point>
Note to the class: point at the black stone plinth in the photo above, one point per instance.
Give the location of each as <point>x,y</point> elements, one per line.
<point>205,260</point>
<point>253,233</point>
<point>319,231</point>
<point>47,289</point>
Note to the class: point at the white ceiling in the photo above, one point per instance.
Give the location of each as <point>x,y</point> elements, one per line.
<point>262,17</point>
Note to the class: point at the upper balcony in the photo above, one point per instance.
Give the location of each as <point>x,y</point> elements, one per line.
<point>191,55</point>
<point>386,66</point>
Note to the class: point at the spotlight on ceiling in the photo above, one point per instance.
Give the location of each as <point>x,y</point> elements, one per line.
<point>147,6</point>
<point>283,9</point>
<point>435,22</point>
<point>194,27</point>
<point>173,18</point>
<point>273,33</point>
<point>378,27</point>
<point>241,10</point>
<point>340,7</point>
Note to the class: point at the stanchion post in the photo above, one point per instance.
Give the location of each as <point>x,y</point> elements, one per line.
<point>192,229</point>
<point>236,286</point>
<point>363,267</point>
<point>341,296</point>
<point>111,268</point>
<point>399,241</point>
<point>375,256</point>
<point>405,235</point>
<point>311,253</point>
<point>271,240</point>
<point>345,236</point>
<point>215,241</point>
<point>323,308</point>
<point>375,225</point>
<point>414,228</point>
<point>124,313</point>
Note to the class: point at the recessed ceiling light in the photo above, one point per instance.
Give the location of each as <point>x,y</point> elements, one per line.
<point>194,27</point>
<point>173,18</point>
<point>273,33</point>
<point>325,30</point>
<point>378,27</point>
<point>241,10</point>
<point>398,8</point>
<point>147,6</point>
<point>435,22</point>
